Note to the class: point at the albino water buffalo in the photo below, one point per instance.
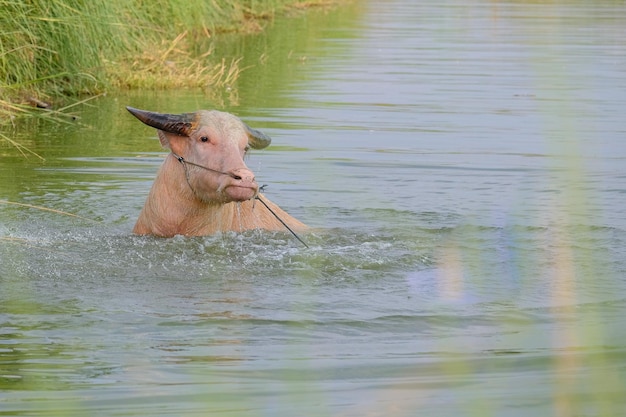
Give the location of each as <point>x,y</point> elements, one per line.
<point>204,185</point>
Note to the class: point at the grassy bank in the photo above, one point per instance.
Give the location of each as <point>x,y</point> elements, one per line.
<point>52,50</point>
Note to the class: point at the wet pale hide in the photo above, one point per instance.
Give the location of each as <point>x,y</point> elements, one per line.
<point>204,185</point>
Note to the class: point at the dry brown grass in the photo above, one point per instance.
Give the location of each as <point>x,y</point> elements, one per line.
<point>171,65</point>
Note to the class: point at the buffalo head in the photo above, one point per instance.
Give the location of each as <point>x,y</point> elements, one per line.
<point>211,146</point>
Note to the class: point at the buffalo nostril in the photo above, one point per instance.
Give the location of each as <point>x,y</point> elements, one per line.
<point>242,175</point>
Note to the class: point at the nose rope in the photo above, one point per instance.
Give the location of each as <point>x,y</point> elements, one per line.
<point>281,220</point>
<point>184,162</point>
<point>237,177</point>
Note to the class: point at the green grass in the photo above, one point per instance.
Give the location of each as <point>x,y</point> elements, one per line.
<point>54,49</point>
<point>54,53</point>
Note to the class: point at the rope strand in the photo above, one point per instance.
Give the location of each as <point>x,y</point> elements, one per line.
<point>281,220</point>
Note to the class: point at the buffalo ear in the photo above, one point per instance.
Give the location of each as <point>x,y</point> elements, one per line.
<point>165,142</point>
<point>175,143</point>
<point>256,138</point>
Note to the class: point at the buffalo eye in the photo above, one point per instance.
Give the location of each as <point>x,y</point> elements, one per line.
<point>204,138</point>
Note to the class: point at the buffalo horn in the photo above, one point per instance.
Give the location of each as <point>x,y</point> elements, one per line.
<point>180,124</point>
<point>257,139</point>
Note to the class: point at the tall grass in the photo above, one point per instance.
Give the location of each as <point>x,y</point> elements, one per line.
<point>54,49</point>
<point>60,48</point>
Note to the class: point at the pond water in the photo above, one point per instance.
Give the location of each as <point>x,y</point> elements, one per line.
<point>463,167</point>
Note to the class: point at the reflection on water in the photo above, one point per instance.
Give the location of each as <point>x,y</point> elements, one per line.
<point>462,166</point>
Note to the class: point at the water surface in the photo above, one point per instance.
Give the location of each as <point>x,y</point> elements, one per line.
<point>462,166</point>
